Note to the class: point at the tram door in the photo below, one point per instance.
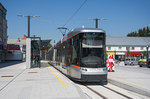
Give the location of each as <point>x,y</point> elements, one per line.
<point>35,53</point>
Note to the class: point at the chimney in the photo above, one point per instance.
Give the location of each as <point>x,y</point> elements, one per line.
<point>24,38</point>
<point>18,39</point>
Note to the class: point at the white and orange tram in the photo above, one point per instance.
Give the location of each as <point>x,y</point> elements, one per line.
<point>81,55</point>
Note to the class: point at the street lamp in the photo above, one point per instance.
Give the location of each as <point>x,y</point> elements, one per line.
<point>147,56</point>
<point>20,15</point>
<point>96,20</point>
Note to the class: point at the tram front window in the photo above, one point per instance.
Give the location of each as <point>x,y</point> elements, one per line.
<point>93,50</point>
<point>92,57</point>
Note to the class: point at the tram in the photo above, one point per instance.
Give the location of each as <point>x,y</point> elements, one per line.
<point>81,55</point>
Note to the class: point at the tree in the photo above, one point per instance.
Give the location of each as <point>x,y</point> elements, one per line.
<point>140,32</point>
<point>145,32</point>
<point>47,47</point>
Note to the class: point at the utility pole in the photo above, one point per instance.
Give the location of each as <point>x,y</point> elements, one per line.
<point>29,26</point>
<point>28,22</point>
<point>147,56</point>
<point>96,21</point>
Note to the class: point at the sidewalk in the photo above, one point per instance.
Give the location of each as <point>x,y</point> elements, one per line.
<point>9,71</point>
<point>131,78</point>
<point>37,83</point>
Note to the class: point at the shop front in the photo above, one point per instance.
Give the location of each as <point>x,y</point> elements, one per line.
<point>122,55</point>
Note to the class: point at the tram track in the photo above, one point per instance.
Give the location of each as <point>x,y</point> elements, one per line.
<point>101,95</point>
<point>118,92</point>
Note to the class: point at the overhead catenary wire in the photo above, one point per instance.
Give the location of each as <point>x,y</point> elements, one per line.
<point>75,13</point>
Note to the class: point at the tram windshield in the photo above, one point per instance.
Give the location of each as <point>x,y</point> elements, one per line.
<point>93,50</point>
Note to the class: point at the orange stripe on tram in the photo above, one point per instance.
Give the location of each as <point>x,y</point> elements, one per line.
<point>75,66</point>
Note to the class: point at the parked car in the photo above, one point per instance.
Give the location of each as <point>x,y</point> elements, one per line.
<point>131,61</point>
<point>144,62</point>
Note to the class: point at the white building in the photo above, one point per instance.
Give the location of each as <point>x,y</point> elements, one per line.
<point>17,47</point>
<point>123,46</point>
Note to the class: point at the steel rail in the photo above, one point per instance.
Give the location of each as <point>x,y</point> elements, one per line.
<point>117,92</point>
<point>96,92</point>
<point>104,97</point>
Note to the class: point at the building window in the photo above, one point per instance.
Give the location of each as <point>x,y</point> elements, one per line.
<point>142,48</point>
<point>132,48</point>
<point>109,48</point>
<point>127,48</point>
<point>120,47</point>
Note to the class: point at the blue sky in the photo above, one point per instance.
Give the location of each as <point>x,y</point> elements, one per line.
<point>123,16</point>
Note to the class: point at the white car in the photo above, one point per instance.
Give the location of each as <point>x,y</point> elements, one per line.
<point>131,61</point>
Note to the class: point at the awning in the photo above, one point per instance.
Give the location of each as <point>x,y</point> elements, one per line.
<point>110,53</point>
<point>123,53</point>
<point>133,53</point>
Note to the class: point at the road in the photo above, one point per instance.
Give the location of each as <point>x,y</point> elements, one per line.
<point>134,68</point>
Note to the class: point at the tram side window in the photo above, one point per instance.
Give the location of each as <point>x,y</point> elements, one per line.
<point>74,56</point>
<point>69,52</point>
<point>75,51</point>
<point>58,55</point>
<point>65,52</point>
<point>62,54</point>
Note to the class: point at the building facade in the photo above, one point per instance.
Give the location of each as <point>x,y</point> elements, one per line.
<point>3,33</point>
<point>123,47</point>
<point>16,48</point>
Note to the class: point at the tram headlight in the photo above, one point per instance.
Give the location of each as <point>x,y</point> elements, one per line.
<point>84,69</point>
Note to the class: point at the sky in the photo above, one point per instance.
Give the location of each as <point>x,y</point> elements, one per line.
<point>123,16</point>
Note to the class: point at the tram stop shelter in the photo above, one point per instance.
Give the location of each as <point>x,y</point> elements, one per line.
<point>33,51</point>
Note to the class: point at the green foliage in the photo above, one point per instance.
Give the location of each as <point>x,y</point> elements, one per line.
<point>47,47</point>
<point>145,32</point>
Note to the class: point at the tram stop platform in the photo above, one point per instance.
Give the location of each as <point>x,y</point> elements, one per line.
<point>132,78</point>
<point>17,82</point>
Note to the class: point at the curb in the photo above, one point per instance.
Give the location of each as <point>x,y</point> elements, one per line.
<point>126,86</point>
